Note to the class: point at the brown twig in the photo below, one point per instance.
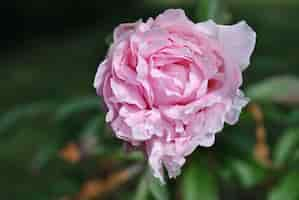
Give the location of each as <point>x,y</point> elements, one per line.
<point>261,149</point>
<point>97,188</point>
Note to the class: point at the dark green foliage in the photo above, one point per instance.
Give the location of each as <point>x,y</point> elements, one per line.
<point>199,182</point>
<point>22,113</point>
<point>286,147</point>
<point>55,75</point>
<point>287,188</point>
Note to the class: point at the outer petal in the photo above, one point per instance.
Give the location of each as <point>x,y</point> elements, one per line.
<point>208,27</point>
<point>125,29</point>
<point>214,118</point>
<point>238,42</point>
<point>238,103</point>
<point>107,94</point>
<point>173,165</point>
<point>155,151</point>
<point>173,19</point>
<point>102,70</point>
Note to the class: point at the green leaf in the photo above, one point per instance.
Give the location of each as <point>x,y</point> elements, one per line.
<point>280,89</point>
<point>76,106</point>
<point>198,183</point>
<point>212,9</point>
<point>93,125</point>
<point>9,119</point>
<point>157,189</point>
<point>264,3</point>
<point>285,146</point>
<point>226,172</point>
<point>248,173</point>
<point>142,189</point>
<point>293,117</point>
<point>288,188</point>
<point>295,158</point>
<point>207,9</point>
<point>63,186</point>
<point>91,136</point>
<point>45,154</point>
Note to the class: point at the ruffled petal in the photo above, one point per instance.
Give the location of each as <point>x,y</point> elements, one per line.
<point>208,27</point>
<point>155,152</point>
<point>238,103</point>
<point>126,94</point>
<point>173,19</point>
<point>238,42</point>
<point>124,30</point>
<point>102,70</point>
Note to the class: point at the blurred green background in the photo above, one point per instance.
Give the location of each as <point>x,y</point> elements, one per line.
<point>55,145</point>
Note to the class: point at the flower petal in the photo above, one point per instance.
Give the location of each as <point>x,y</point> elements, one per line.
<point>126,93</point>
<point>102,70</point>
<point>238,42</point>
<point>238,103</point>
<point>208,27</point>
<point>124,30</point>
<point>173,18</point>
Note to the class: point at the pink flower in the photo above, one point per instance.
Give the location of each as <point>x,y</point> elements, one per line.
<point>170,84</point>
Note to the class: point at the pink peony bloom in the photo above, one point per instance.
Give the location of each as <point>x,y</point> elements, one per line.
<point>170,84</point>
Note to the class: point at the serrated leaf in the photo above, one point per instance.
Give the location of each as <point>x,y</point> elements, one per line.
<point>157,189</point>
<point>280,89</point>
<point>285,146</point>
<point>76,106</point>
<point>198,183</point>
<point>248,173</point>
<point>288,188</point>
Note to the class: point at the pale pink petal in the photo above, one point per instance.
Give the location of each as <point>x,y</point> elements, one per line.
<point>214,118</point>
<point>238,42</point>
<point>208,27</point>
<point>124,30</point>
<point>142,70</point>
<point>126,93</point>
<point>120,68</point>
<point>173,165</point>
<point>107,93</point>
<point>238,103</point>
<point>207,140</point>
<point>155,152</point>
<point>121,130</point>
<point>152,41</point>
<point>195,83</point>
<point>173,19</point>
<point>102,70</point>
